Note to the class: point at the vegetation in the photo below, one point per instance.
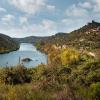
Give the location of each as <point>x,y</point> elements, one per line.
<point>7,44</point>
<point>69,76</point>
<point>15,75</point>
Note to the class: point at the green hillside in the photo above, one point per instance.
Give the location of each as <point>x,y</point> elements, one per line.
<point>7,44</point>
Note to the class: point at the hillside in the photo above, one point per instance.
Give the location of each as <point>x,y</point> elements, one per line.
<point>30,39</point>
<point>7,44</point>
<point>87,37</point>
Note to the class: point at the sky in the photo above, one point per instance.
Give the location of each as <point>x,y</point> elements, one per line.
<point>21,18</point>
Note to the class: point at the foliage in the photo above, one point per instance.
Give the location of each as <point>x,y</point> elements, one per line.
<point>68,74</point>
<point>69,56</point>
<point>7,44</point>
<point>95,88</point>
<point>15,75</point>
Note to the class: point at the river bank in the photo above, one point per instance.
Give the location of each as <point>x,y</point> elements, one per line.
<point>8,51</point>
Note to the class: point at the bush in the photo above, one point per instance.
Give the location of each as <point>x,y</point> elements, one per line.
<point>95,89</point>
<point>63,57</point>
<point>69,56</point>
<point>15,75</point>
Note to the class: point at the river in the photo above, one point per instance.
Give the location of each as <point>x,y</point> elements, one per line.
<point>26,50</point>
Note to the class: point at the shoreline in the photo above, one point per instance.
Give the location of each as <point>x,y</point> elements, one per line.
<point>8,51</point>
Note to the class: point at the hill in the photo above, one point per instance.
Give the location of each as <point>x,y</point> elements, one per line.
<point>30,39</point>
<point>87,37</point>
<point>7,44</point>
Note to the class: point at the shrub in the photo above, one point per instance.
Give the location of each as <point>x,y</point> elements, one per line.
<point>63,57</point>
<point>69,56</point>
<point>15,75</point>
<point>95,89</point>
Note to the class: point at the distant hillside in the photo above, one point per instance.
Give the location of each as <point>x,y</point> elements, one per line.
<point>35,39</point>
<point>30,39</point>
<point>58,39</point>
<point>7,44</point>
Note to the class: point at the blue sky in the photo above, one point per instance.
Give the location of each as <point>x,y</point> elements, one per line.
<point>21,18</point>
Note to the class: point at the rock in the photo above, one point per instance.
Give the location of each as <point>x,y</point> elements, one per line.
<point>26,59</point>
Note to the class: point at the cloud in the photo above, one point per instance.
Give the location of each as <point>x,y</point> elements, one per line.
<point>8,18</point>
<point>31,6</point>
<point>87,8</point>
<point>96,5</point>
<point>2,9</point>
<point>67,21</point>
<point>93,8</point>
<point>23,20</point>
<point>44,28</point>
<point>86,5</point>
<point>76,11</point>
<point>51,7</point>
<point>48,25</point>
<point>28,6</point>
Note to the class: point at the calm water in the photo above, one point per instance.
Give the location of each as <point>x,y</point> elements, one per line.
<point>26,51</point>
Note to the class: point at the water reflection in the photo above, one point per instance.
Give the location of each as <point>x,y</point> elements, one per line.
<point>26,51</point>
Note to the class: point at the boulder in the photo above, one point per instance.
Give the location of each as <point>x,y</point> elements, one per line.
<point>26,59</point>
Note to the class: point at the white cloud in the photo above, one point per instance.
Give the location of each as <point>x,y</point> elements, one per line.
<point>96,5</point>
<point>48,25</point>
<point>28,6</point>
<point>75,11</point>
<point>2,9</point>
<point>8,18</point>
<point>51,7</point>
<point>93,4</point>
<point>45,27</point>
<point>86,5</point>
<point>31,6</point>
<point>67,21</point>
<point>23,20</point>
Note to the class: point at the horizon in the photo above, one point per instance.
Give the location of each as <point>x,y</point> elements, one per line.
<point>23,18</point>
<point>51,34</point>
